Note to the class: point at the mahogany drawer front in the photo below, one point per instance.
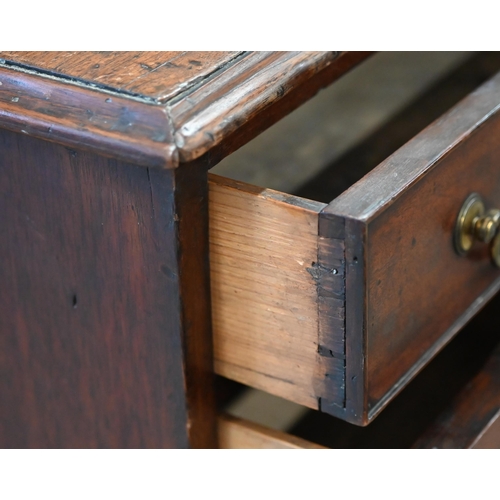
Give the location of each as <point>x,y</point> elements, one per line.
<point>338,306</point>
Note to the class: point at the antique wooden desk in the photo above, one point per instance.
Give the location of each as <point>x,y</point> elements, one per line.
<point>113,317</point>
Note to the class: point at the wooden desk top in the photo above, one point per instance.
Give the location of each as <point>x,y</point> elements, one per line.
<point>150,76</point>
<point>159,109</point>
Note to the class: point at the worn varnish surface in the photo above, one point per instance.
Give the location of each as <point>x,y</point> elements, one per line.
<point>184,110</point>
<point>133,367</point>
<point>83,118</point>
<point>250,96</point>
<point>157,76</point>
<point>98,320</point>
<point>277,308</point>
<point>412,291</point>
<point>236,433</point>
<point>473,418</point>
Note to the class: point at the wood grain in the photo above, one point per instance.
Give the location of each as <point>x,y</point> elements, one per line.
<point>265,281</point>
<point>236,433</point>
<point>221,106</point>
<point>168,108</point>
<point>133,368</point>
<point>191,221</point>
<point>405,292</point>
<point>416,292</point>
<point>86,119</point>
<point>157,76</point>
<point>94,318</point>
<point>472,420</point>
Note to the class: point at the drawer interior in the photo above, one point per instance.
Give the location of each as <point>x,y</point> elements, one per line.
<point>271,302</point>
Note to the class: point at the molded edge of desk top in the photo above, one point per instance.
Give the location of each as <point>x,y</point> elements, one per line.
<point>142,113</point>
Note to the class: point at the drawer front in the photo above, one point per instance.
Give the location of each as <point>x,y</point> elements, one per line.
<point>407,289</point>
<point>343,322</point>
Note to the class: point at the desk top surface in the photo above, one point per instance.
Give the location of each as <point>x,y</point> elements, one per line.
<point>159,109</point>
<point>154,76</point>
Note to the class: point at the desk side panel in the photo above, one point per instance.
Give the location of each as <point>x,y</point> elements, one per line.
<point>91,336</point>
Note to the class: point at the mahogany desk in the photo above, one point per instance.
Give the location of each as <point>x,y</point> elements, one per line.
<point>107,336</point>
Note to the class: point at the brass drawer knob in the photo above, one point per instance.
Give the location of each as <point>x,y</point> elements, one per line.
<point>474,223</point>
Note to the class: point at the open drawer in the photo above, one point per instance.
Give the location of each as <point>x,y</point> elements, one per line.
<point>338,306</point>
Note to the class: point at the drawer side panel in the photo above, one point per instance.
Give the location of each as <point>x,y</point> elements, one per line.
<point>270,285</point>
